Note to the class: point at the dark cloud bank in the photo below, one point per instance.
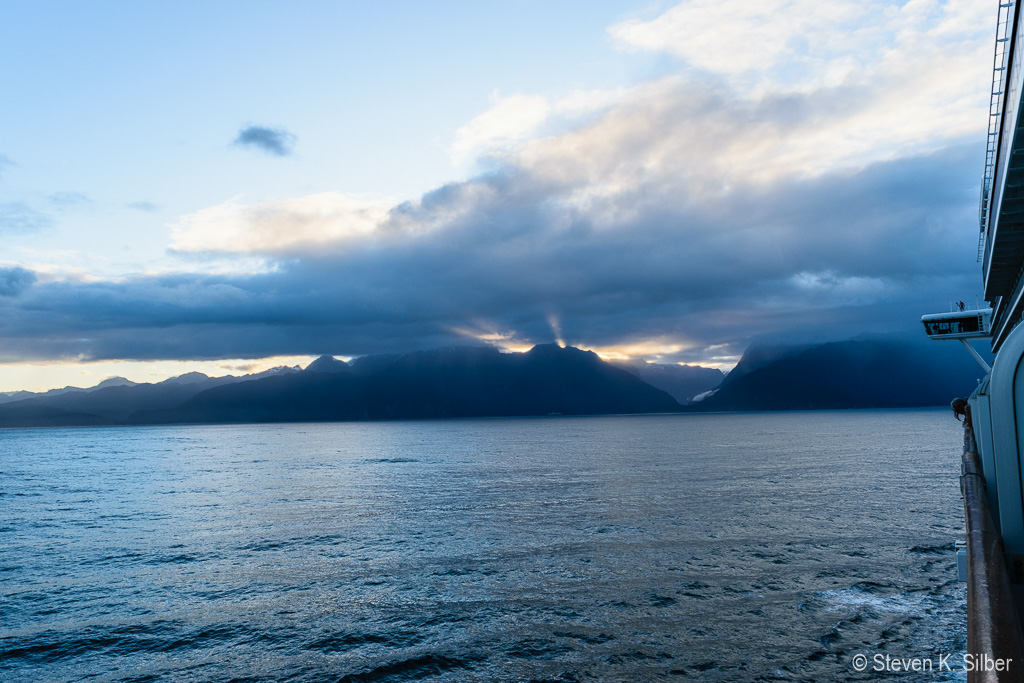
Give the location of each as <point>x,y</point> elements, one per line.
<point>14,281</point>
<point>802,261</point>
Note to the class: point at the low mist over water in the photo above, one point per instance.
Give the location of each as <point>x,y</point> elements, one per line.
<point>713,547</point>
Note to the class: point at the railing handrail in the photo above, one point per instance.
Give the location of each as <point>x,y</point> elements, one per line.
<point>993,625</point>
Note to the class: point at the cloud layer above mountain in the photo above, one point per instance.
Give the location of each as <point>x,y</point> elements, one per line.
<point>821,184</point>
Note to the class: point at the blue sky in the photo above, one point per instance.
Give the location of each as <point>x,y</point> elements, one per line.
<point>226,186</point>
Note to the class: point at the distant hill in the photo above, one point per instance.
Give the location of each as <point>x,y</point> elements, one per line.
<point>681,382</point>
<point>849,374</point>
<point>111,402</point>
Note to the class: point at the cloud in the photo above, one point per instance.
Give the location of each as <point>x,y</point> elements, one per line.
<point>276,141</point>
<point>67,200</point>
<point>508,120</point>
<point>281,226</point>
<point>812,259</point>
<point>684,217</point>
<point>513,119</point>
<point>703,138</point>
<point>817,87</point>
<point>804,44</point>
<point>148,207</point>
<point>19,217</point>
<point>14,281</point>
<point>5,161</point>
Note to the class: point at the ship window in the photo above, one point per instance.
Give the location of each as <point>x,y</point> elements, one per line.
<point>965,325</point>
<point>943,327</point>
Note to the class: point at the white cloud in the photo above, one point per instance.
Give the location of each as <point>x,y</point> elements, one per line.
<point>508,120</point>
<point>806,89</point>
<point>511,120</point>
<point>803,89</point>
<point>735,37</point>
<point>280,226</point>
<point>802,44</point>
<point>698,142</point>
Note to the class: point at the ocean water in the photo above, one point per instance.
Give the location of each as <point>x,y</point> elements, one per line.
<point>734,547</point>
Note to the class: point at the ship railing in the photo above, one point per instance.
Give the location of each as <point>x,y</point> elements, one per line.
<point>993,627</point>
<point>995,110</point>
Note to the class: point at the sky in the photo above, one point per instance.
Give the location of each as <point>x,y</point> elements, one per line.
<point>229,186</point>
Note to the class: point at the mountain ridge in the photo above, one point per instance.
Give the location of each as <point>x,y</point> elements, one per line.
<point>481,381</point>
<point>443,383</point>
<point>462,381</point>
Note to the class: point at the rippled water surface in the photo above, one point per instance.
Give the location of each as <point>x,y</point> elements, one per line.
<point>712,547</point>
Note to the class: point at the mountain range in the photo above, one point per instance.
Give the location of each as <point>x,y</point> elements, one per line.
<point>449,382</point>
<point>548,379</point>
<point>870,373</point>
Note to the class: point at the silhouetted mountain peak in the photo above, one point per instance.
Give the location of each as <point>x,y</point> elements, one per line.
<point>275,371</point>
<point>187,378</point>
<point>327,364</point>
<point>556,351</point>
<point>115,382</point>
<point>549,349</point>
